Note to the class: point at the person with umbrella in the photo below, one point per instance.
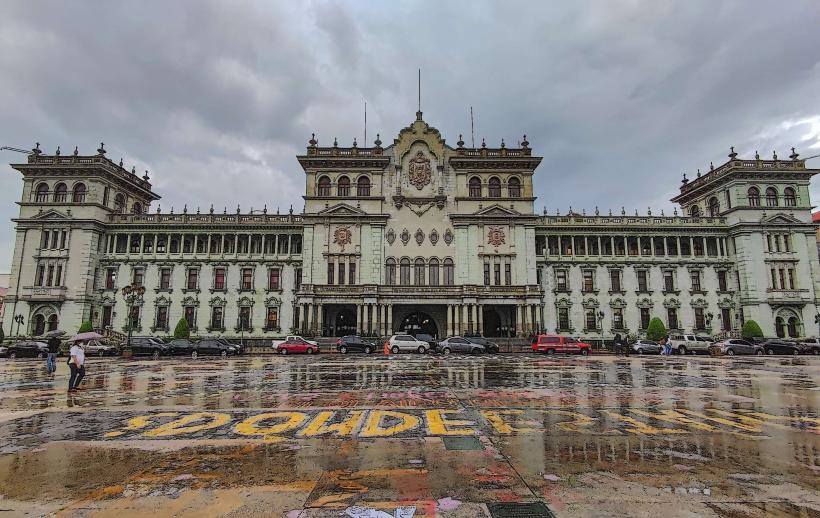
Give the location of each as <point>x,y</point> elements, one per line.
<point>76,362</point>
<point>53,350</point>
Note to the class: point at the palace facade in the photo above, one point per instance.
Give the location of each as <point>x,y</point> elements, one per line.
<point>415,235</point>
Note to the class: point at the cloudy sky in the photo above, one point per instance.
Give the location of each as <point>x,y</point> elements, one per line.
<point>216,98</point>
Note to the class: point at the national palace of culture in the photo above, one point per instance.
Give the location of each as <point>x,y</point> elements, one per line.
<point>414,235</point>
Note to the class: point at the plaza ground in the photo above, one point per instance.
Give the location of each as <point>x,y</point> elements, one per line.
<point>408,435</point>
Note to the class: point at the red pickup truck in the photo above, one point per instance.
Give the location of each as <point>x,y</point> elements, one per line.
<point>551,344</point>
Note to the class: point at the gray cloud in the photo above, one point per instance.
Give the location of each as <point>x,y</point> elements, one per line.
<point>215,99</point>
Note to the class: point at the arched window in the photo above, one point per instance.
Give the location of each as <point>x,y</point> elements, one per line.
<point>792,327</point>
<point>404,271</point>
<point>494,187</point>
<point>714,206</point>
<point>363,186</point>
<point>53,322</point>
<point>418,274</point>
<point>343,186</point>
<point>694,211</point>
<point>780,327</point>
<point>324,186</point>
<point>514,188</point>
<point>754,196</point>
<point>475,187</point>
<point>60,193</point>
<point>79,193</point>
<point>771,197</point>
<point>42,193</point>
<point>789,198</point>
<point>136,208</point>
<point>449,272</point>
<point>390,272</point>
<point>119,203</point>
<point>433,272</point>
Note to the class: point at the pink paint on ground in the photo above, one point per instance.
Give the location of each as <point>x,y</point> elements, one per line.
<point>447,504</point>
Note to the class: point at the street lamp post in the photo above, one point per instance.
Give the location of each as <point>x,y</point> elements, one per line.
<point>133,295</point>
<point>19,319</point>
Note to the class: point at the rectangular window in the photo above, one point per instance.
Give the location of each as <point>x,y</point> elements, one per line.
<point>497,274</point>
<point>774,279</point>
<point>643,284</point>
<point>351,273</point>
<point>486,274</point>
<point>164,278</point>
<point>217,317</point>
<point>722,280</point>
<point>58,277</point>
<point>786,244</point>
<point>331,272</point>
<point>41,273</point>
<point>589,315</point>
<point>245,318</point>
<point>695,275</point>
<point>193,279</point>
<point>615,280</point>
<point>508,274</point>
<point>563,319</point>
<point>190,316</point>
<point>108,312</point>
<point>50,275</point>
<point>247,279</point>
<point>561,283</point>
<point>161,321</point>
<point>272,319</point>
<point>782,278</point>
<point>219,278</point>
<point>589,282</point>
<point>539,276</point>
<point>138,275</point>
<point>110,278</point>
<point>726,319</point>
<point>390,273</point>
<point>700,322</point>
<point>672,318</point>
<point>341,273</point>
<point>791,279</point>
<point>54,237</point>
<point>64,235</point>
<point>618,318</point>
<point>273,279</point>
<point>644,318</point>
<point>668,281</point>
<point>298,278</point>
<point>44,239</point>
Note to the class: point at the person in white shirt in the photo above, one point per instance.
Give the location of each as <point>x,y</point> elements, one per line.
<point>77,365</point>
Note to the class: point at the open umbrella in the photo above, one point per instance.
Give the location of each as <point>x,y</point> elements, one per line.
<point>56,332</point>
<point>82,337</point>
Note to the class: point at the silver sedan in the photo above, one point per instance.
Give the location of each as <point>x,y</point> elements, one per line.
<point>646,347</point>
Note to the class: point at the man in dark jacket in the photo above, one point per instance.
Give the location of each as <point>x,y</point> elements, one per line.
<point>53,350</point>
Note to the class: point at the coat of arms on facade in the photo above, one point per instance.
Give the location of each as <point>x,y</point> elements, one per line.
<point>342,236</point>
<point>434,237</point>
<point>405,237</point>
<point>391,236</point>
<point>419,236</point>
<point>448,237</point>
<point>495,236</point>
<point>420,171</point>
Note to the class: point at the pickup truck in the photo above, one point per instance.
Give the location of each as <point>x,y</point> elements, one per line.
<point>690,344</point>
<point>292,338</point>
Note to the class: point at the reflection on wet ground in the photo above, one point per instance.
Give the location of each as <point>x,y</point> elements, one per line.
<point>376,436</point>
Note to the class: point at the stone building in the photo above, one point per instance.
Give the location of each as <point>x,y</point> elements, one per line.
<point>415,235</point>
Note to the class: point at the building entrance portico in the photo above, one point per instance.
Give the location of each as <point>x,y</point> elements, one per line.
<point>499,321</point>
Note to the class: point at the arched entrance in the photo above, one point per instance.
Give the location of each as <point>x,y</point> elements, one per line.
<point>499,321</point>
<point>345,322</point>
<point>419,322</point>
<point>44,319</point>
<point>788,324</point>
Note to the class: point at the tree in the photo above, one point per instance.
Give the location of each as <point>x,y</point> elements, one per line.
<point>86,327</point>
<point>181,330</point>
<point>751,330</point>
<point>656,330</point>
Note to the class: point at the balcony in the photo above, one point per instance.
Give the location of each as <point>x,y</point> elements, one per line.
<point>44,293</point>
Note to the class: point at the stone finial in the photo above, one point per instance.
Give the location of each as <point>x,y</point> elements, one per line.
<point>224,209</point>
<point>158,208</point>
<point>732,154</point>
<point>172,209</point>
<point>662,212</point>
<point>76,151</point>
<point>101,150</point>
<point>460,142</point>
<point>145,176</point>
<point>774,155</point>
<point>698,173</point>
<point>378,141</point>
<point>120,161</point>
<point>623,211</point>
<point>185,209</point>
<point>133,169</point>
<point>483,144</point>
<point>211,210</point>
<point>237,208</point>
<point>584,211</point>
<point>36,150</point>
<point>524,143</point>
<point>685,179</point>
<point>636,212</point>
<point>597,212</point>
<point>197,209</point>
<point>291,209</point>
<point>354,142</point>
<point>711,166</point>
<point>794,154</point>
<point>503,145</point>
<point>335,142</point>
<point>545,210</point>
<point>676,211</point>
<point>649,211</point>
<point>265,210</point>
<point>277,210</point>
<point>757,155</point>
<point>58,151</point>
<point>610,212</point>
<point>312,142</point>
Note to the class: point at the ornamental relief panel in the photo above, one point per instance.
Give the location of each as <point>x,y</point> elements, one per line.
<point>342,236</point>
<point>419,171</point>
<point>495,236</point>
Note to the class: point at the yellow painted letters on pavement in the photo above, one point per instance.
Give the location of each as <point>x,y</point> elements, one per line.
<point>319,426</point>
<point>140,421</point>
<point>250,426</point>
<point>496,419</point>
<point>639,427</point>
<point>373,425</point>
<point>437,423</point>
<point>184,424</point>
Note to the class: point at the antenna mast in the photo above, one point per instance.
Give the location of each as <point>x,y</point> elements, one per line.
<point>472,128</point>
<point>365,124</point>
<point>419,90</point>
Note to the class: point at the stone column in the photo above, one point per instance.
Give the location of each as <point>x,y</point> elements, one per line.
<point>290,244</point>
<point>320,321</point>
<point>518,320</point>
<point>389,323</point>
<point>359,318</point>
<point>480,330</point>
<point>464,319</point>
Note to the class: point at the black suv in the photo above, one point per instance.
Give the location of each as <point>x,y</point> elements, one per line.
<point>354,343</point>
<point>149,346</point>
<point>213,347</point>
<point>27,350</point>
<point>490,347</point>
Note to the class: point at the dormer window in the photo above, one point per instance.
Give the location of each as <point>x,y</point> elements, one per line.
<point>136,208</point>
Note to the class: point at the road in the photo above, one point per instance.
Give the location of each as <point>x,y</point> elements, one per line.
<point>414,436</point>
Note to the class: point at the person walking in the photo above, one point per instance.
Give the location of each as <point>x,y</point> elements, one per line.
<point>76,363</point>
<point>616,342</point>
<point>53,350</point>
<point>667,345</point>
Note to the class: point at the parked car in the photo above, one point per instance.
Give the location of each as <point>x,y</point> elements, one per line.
<point>27,349</point>
<point>240,348</point>
<point>490,347</point>
<point>275,343</point>
<point>734,346</point>
<point>213,347</point>
<point>551,344</point>
<point>690,344</point>
<point>458,344</point>
<point>779,346</point>
<point>4,351</point>
<point>296,344</point>
<point>644,346</point>
<point>354,343</point>
<point>809,346</point>
<point>406,343</point>
<point>97,348</point>
<point>182,347</point>
<point>430,339</point>
<point>149,346</point>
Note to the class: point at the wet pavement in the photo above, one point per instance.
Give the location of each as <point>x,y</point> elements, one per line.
<point>413,436</point>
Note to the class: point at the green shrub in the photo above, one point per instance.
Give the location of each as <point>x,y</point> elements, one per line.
<point>181,330</point>
<point>751,330</point>
<point>656,330</point>
<point>86,327</point>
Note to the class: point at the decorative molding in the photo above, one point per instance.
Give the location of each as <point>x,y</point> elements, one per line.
<point>342,236</point>
<point>495,236</point>
<point>433,237</point>
<point>390,236</point>
<point>419,236</point>
<point>419,171</point>
<point>448,237</point>
<point>405,237</point>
